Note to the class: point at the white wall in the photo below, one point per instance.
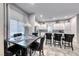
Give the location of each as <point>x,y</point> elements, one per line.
<point>58,26</point>
<point>78,27</point>
<point>74,28</point>
<point>1,30</point>
<point>67,27</point>
<point>43,26</point>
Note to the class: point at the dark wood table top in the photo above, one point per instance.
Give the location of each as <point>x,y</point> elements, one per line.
<point>24,42</point>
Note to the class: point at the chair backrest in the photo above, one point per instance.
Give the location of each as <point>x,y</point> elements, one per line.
<point>41,43</point>
<point>69,37</point>
<point>17,36</point>
<point>57,37</point>
<point>35,34</point>
<point>48,35</point>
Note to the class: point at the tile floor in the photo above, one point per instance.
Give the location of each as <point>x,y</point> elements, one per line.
<point>57,51</point>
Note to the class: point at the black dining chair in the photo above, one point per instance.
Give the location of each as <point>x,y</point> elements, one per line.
<point>48,38</point>
<point>67,41</point>
<point>6,51</point>
<point>17,36</point>
<point>38,47</point>
<point>35,34</point>
<point>57,39</point>
<point>14,49</point>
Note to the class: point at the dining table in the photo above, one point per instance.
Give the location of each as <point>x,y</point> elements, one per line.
<point>24,42</point>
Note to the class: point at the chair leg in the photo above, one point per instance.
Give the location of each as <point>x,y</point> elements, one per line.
<point>18,53</point>
<point>60,44</point>
<point>24,52</point>
<point>69,44</point>
<point>64,45</point>
<point>54,43</point>
<point>42,52</point>
<point>39,53</point>
<point>46,41</point>
<point>72,46</point>
<point>51,42</point>
<point>30,52</point>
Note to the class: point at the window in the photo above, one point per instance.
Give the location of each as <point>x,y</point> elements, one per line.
<point>16,27</point>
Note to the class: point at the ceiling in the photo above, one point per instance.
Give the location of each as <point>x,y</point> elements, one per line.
<point>50,10</point>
